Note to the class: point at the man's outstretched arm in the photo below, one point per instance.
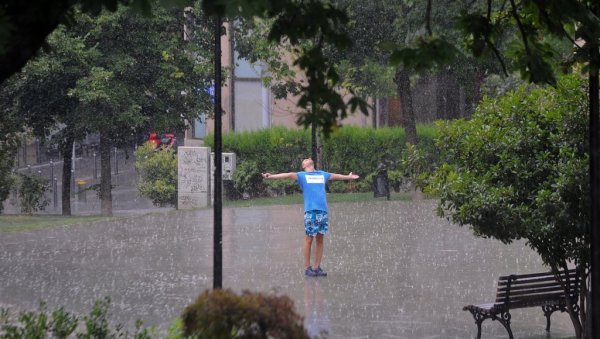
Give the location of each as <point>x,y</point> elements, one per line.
<point>351,176</point>
<point>291,175</point>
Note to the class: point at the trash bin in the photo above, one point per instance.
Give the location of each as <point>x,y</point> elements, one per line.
<point>81,190</point>
<point>381,185</point>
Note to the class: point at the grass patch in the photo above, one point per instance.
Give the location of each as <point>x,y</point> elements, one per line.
<point>297,199</point>
<point>18,223</point>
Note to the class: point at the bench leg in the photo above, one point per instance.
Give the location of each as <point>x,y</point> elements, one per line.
<point>479,318</point>
<point>504,319</point>
<point>548,310</point>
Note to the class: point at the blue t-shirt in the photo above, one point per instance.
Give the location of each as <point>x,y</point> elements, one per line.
<point>313,188</point>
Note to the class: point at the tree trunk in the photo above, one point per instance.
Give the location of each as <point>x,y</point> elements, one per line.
<point>447,96</point>
<point>577,324</point>
<point>67,153</point>
<point>473,95</point>
<point>105,180</point>
<point>408,115</point>
<point>384,114</point>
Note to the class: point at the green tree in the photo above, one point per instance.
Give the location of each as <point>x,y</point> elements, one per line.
<point>518,170</point>
<point>116,74</point>
<point>39,95</point>
<point>293,22</point>
<point>11,130</point>
<point>536,26</point>
<point>144,74</point>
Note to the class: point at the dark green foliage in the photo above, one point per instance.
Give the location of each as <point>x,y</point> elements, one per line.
<point>247,179</point>
<point>31,192</point>
<point>519,170</point>
<point>6,181</point>
<point>519,167</point>
<point>349,149</point>
<point>62,324</point>
<point>219,314</point>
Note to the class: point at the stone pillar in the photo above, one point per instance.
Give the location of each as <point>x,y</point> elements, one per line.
<point>193,184</point>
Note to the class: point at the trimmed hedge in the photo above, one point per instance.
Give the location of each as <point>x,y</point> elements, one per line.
<point>349,149</point>
<point>221,313</point>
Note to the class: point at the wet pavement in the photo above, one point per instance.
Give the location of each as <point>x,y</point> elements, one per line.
<point>396,270</point>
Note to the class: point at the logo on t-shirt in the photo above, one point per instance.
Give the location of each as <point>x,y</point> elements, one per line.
<point>315,179</point>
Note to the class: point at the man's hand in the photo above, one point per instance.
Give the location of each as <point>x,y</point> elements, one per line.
<point>353,176</point>
<point>266,175</point>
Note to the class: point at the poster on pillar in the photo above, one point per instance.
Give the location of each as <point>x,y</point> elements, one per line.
<point>193,171</point>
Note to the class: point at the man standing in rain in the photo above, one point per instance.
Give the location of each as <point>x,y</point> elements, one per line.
<point>315,209</point>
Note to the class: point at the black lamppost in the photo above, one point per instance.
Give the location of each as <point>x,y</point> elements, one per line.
<point>313,139</point>
<point>218,206</point>
<point>595,196</point>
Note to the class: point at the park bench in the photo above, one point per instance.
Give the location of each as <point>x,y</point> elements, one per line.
<point>529,290</point>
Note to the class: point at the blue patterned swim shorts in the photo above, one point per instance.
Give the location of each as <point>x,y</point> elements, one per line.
<point>315,222</point>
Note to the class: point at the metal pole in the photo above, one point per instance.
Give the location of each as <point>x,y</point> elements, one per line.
<point>54,202</point>
<point>218,216</point>
<point>116,162</point>
<point>95,167</point>
<point>72,170</point>
<point>72,182</point>
<point>55,193</point>
<point>595,195</point>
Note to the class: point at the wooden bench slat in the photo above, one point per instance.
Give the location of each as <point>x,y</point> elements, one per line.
<point>534,290</point>
<point>519,281</point>
<point>533,275</point>
<point>521,294</point>
<point>529,284</point>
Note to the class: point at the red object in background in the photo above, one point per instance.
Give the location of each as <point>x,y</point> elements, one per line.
<point>167,139</point>
<point>153,139</point>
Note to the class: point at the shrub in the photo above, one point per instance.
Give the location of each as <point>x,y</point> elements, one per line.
<point>61,324</point>
<point>247,179</point>
<point>7,180</point>
<point>223,314</point>
<point>158,174</point>
<point>279,149</point>
<point>31,193</point>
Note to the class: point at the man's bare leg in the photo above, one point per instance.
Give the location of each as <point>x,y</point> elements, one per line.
<point>307,245</point>
<point>319,250</point>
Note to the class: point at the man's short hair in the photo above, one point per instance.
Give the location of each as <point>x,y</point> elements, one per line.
<point>305,162</point>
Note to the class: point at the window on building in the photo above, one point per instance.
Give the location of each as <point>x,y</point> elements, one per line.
<point>200,126</point>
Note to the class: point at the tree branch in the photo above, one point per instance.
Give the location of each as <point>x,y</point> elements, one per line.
<point>562,27</point>
<point>520,25</point>
<point>498,55</point>
<point>428,18</point>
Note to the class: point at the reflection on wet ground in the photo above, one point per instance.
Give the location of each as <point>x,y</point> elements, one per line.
<point>396,270</point>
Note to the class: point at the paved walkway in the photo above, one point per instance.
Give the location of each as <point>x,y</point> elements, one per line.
<point>395,269</point>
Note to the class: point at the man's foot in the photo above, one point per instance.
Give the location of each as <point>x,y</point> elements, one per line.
<point>319,272</point>
<point>309,272</point>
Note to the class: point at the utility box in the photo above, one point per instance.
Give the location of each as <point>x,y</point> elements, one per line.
<point>228,165</point>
